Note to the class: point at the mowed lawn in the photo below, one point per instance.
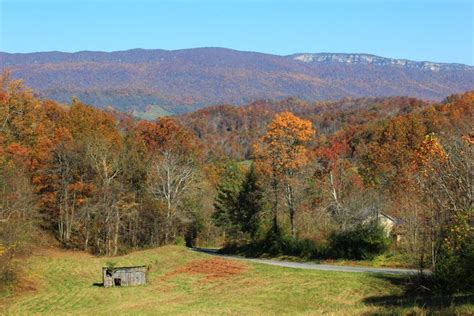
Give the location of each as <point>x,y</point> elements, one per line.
<point>185,282</point>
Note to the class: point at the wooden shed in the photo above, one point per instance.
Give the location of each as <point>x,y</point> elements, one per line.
<point>124,276</point>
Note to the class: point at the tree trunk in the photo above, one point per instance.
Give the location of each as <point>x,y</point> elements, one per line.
<point>167,228</point>
<point>135,229</point>
<point>97,241</point>
<point>66,213</point>
<point>116,230</point>
<point>275,202</point>
<point>290,199</point>
<point>86,241</point>
<point>292,222</point>
<point>154,238</point>
<point>70,218</point>
<point>61,224</point>
<point>130,232</point>
<point>107,234</point>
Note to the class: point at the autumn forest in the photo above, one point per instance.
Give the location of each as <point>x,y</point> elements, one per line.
<point>275,177</point>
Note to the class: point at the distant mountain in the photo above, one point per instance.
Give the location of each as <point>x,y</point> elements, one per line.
<point>182,80</point>
<point>367,59</point>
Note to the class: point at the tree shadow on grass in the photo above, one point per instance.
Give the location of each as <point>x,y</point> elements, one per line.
<point>416,293</point>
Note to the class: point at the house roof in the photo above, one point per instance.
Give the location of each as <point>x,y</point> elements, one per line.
<point>395,220</point>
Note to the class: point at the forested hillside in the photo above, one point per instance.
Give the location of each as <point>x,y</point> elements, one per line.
<point>185,80</point>
<point>230,131</point>
<point>289,176</point>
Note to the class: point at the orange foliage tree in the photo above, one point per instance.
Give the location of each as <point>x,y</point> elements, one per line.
<point>282,153</point>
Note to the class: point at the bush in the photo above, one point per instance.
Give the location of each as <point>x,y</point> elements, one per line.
<point>275,244</point>
<point>453,272</point>
<point>14,240</point>
<point>8,270</point>
<point>364,242</point>
<point>180,241</point>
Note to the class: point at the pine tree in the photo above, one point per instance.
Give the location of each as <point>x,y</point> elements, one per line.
<point>226,201</point>
<point>250,204</point>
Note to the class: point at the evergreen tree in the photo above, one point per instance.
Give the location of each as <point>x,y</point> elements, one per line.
<point>250,204</point>
<point>226,201</point>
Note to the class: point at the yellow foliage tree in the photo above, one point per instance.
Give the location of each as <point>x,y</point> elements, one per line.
<point>282,153</point>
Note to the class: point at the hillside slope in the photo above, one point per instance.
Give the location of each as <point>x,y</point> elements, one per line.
<point>230,130</point>
<point>184,80</point>
<point>184,282</point>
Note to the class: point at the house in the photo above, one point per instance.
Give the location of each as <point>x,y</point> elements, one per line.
<point>391,225</point>
<point>124,276</point>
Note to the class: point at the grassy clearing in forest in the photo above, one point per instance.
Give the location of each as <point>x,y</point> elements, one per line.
<point>185,282</point>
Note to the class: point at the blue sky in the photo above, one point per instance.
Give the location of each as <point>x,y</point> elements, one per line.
<point>432,30</point>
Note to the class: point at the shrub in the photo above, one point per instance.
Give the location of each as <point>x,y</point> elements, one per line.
<point>273,243</point>
<point>180,241</point>
<point>8,271</point>
<point>276,243</point>
<point>364,242</point>
<point>111,264</point>
<point>14,242</point>
<point>453,272</point>
<point>304,248</point>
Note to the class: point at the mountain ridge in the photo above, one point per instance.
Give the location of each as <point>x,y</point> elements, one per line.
<point>188,79</point>
<point>376,60</point>
<point>320,56</point>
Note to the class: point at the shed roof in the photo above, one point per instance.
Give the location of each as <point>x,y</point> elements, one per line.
<point>117,268</point>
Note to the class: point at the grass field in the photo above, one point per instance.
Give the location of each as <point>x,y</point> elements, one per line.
<point>185,282</point>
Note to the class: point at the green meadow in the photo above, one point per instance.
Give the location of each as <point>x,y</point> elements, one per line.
<point>181,281</point>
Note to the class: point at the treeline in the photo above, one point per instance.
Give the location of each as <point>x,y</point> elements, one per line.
<point>230,131</point>
<point>288,176</point>
<point>97,183</point>
<point>324,194</point>
<point>125,100</point>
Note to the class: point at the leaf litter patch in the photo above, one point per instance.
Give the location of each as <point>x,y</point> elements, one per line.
<point>211,269</point>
